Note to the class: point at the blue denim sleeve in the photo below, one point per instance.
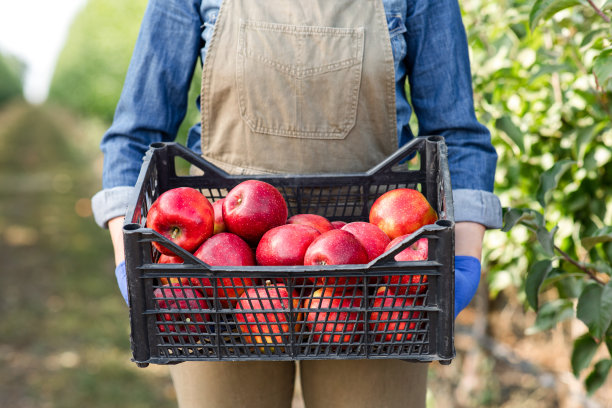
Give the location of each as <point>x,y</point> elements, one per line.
<point>153,102</point>
<point>438,69</point>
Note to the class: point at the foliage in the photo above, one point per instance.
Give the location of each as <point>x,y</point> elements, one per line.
<point>543,84</point>
<point>92,65</point>
<point>65,341</point>
<point>91,69</point>
<point>11,78</point>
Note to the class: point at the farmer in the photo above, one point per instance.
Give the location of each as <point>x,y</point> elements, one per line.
<point>304,86</point>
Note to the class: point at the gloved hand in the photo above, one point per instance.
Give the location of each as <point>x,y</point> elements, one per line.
<point>467,278</point>
<point>122,281</point>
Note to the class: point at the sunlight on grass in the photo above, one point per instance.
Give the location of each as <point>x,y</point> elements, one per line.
<point>66,341</point>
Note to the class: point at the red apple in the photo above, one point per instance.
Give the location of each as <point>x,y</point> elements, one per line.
<point>403,283</point>
<point>285,245</point>
<point>253,207</point>
<point>401,211</point>
<point>336,247</point>
<point>392,325</point>
<point>190,304</point>
<point>263,314</point>
<point>219,224</point>
<point>329,320</point>
<point>415,252</point>
<point>338,224</point>
<point>225,249</point>
<point>171,259</point>
<point>318,222</point>
<point>184,216</point>
<point>370,236</point>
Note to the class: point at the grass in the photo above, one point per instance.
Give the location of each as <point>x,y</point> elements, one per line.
<point>64,335</point>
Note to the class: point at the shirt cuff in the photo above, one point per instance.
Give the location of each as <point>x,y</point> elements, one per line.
<point>110,203</point>
<point>478,206</point>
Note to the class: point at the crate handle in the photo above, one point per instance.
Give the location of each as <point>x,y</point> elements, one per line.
<point>426,231</point>
<point>403,152</point>
<point>175,149</point>
<point>187,257</point>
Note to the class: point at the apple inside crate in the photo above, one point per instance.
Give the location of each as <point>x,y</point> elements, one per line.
<point>292,267</point>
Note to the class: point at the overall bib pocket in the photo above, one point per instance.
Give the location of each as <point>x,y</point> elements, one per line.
<point>299,81</point>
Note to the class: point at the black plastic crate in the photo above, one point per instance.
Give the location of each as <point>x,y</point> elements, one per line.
<point>174,329</point>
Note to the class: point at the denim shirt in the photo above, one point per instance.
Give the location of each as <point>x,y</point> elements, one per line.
<point>430,49</point>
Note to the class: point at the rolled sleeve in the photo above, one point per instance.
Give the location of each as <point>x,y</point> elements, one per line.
<point>438,68</point>
<point>478,206</point>
<point>110,203</point>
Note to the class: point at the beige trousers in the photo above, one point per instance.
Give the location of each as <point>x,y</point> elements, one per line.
<point>325,383</point>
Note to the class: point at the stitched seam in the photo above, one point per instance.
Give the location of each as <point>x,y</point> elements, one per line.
<point>314,30</point>
<point>297,72</point>
<point>206,79</point>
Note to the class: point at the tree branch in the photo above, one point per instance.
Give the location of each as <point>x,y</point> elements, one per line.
<point>579,265</point>
<point>598,11</point>
<point>588,271</point>
<point>601,96</point>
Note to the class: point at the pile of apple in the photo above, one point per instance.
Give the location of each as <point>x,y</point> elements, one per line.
<point>250,226</point>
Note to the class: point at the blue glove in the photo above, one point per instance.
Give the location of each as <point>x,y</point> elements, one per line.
<point>122,281</point>
<point>467,278</point>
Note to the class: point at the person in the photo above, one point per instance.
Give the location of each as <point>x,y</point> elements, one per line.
<point>286,83</point>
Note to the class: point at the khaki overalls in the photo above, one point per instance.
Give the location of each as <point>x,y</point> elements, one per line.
<point>299,86</point>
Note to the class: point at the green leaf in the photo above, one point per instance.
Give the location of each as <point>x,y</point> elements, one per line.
<point>550,178</point>
<point>506,125</point>
<point>546,239</point>
<point>602,67</point>
<point>545,9</point>
<point>598,376</point>
<point>584,138</point>
<point>557,276</point>
<point>595,308</point>
<point>552,313</point>
<point>601,235</point>
<point>513,216</point>
<point>533,283</point>
<point>547,69</point>
<point>585,348</point>
<point>600,267</point>
<point>591,35</point>
<point>519,29</point>
<point>568,285</point>
<point>609,340</point>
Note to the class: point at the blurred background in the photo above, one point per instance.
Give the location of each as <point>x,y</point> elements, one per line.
<point>538,333</point>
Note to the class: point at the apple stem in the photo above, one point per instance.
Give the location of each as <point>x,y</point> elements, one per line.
<point>175,232</point>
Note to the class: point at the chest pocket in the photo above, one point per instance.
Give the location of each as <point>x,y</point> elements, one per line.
<point>299,81</point>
